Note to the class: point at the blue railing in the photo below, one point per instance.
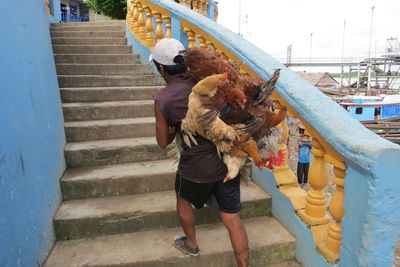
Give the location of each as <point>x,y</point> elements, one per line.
<point>67,17</point>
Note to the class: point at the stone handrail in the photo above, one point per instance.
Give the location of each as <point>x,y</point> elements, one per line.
<point>364,162</point>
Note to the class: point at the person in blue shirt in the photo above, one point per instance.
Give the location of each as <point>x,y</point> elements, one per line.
<point>303,148</point>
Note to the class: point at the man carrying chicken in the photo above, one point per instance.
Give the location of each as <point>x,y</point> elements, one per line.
<point>200,171</point>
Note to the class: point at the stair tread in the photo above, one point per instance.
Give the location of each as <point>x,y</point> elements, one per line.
<point>110,144</point>
<point>100,64</point>
<point>137,204</point>
<point>113,87</point>
<point>108,104</point>
<point>157,245</point>
<point>106,123</point>
<point>120,170</point>
<point>119,76</point>
<point>88,45</point>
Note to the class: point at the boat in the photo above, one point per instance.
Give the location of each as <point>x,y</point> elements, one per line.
<point>380,114</point>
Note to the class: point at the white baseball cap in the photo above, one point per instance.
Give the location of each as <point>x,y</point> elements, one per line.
<point>166,50</point>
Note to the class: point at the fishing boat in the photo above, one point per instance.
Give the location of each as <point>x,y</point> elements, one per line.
<point>380,114</point>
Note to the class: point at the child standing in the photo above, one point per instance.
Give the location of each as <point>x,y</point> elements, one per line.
<point>303,148</point>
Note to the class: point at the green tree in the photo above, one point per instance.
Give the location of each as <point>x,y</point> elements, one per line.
<point>115,9</point>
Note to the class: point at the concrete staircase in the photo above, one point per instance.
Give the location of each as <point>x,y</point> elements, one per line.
<point>118,200</point>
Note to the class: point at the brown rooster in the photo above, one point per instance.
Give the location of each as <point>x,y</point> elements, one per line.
<point>234,144</point>
<point>216,130</point>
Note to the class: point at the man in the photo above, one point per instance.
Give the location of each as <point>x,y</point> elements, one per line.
<point>200,170</point>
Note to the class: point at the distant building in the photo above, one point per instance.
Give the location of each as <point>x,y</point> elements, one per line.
<point>323,81</point>
<point>74,11</point>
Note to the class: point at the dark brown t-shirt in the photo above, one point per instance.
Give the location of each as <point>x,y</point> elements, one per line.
<point>199,163</point>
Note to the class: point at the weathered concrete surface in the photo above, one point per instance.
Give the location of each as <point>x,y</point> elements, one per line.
<point>103,69</point>
<point>116,180</point>
<point>88,28</point>
<point>97,58</point>
<point>87,34</point>
<point>109,80</point>
<point>155,248</point>
<point>78,131</point>
<point>104,94</point>
<point>141,212</point>
<point>103,152</point>
<point>88,41</point>
<point>91,49</point>
<point>89,23</point>
<point>108,110</point>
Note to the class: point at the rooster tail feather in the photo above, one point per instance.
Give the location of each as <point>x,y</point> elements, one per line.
<point>192,139</point>
<point>267,88</point>
<point>186,139</point>
<point>208,117</point>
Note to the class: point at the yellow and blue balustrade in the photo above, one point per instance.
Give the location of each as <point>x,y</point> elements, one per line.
<point>360,224</point>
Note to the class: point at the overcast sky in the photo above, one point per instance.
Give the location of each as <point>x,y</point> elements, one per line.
<point>273,25</point>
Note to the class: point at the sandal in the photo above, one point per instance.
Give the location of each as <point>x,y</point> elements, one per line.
<point>180,243</point>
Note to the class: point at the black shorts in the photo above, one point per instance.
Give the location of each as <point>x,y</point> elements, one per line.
<point>223,196</point>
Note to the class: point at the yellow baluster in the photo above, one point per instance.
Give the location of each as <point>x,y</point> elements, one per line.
<point>141,35</point>
<point>150,40</point>
<point>331,250</point>
<point>200,6</point>
<point>202,42</point>
<point>48,11</point>
<point>283,174</point>
<point>223,55</point>
<point>159,28</point>
<point>167,19</point>
<point>195,5</point>
<point>191,36</point>
<point>189,4</point>
<point>135,23</point>
<point>315,208</point>
<point>131,13</point>
<point>210,45</point>
<point>182,2</point>
<point>206,3</point>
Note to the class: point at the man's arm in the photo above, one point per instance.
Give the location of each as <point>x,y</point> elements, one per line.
<point>164,134</point>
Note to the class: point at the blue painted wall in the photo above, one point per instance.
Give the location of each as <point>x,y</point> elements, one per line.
<point>31,134</point>
<point>368,113</point>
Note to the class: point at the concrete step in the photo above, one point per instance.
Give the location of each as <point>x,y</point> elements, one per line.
<point>89,23</point>
<point>116,151</point>
<point>92,49</point>
<point>97,59</point>
<point>103,69</point>
<point>89,28</point>
<point>88,41</point>
<point>269,243</point>
<point>78,131</point>
<point>141,212</point>
<point>109,34</point>
<point>100,94</point>
<point>107,110</point>
<point>109,80</point>
<point>118,180</point>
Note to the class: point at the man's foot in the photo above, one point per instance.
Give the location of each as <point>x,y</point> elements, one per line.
<point>180,243</point>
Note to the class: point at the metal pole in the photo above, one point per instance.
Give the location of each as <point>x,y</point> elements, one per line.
<point>311,34</point>
<point>341,77</point>
<point>240,18</point>
<point>369,52</point>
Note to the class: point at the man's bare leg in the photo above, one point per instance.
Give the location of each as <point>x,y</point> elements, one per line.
<point>238,236</point>
<point>187,219</point>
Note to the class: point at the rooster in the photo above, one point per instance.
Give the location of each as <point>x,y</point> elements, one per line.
<point>233,143</point>
<point>200,103</point>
